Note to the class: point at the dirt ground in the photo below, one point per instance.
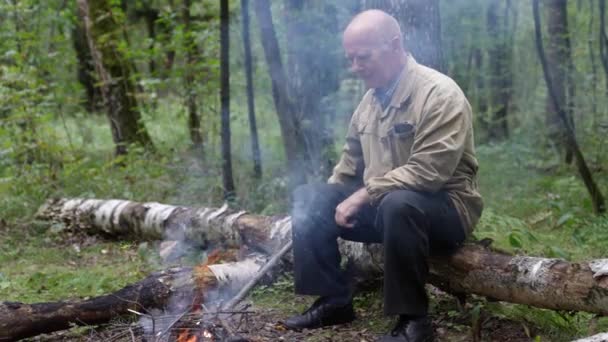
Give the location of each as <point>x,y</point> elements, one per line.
<point>261,325</point>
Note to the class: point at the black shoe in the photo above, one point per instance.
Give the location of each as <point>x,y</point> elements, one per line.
<point>420,330</point>
<point>399,332</point>
<point>416,330</point>
<point>321,314</point>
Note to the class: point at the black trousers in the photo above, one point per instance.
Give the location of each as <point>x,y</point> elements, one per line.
<point>412,225</point>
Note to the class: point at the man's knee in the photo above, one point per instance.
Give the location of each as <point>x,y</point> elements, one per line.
<point>401,216</point>
<point>400,203</point>
<point>309,199</point>
<point>303,199</point>
<point>311,193</point>
<point>314,208</point>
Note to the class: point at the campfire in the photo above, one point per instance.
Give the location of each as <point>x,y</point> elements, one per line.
<point>200,318</point>
<point>211,333</point>
<point>173,300</point>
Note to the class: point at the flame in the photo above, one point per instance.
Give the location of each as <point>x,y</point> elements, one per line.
<point>185,337</point>
<point>203,275</point>
<point>207,335</point>
<point>214,257</point>
<point>205,279</point>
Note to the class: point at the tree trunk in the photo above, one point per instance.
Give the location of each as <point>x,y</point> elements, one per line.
<point>293,142</point>
<point>255,144</point>
<point>480,90</point>
<point>597,199</point>
<point>500,75</point>
<point>593,64</point>
<point>421,25</point>
<point>228,181</point>
<point>118,89</point>
<point>313,77</point>
<point>194,121</point>
<point>559,61</point>
<point>150,17</point>
<point>546,283</point>
<point>144,10</point>
<point>164,38</point>
<point>86,69</point>
<point>604,41</point>
<point>189,287</point>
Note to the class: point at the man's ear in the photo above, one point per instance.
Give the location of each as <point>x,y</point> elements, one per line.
<point>395,43</point>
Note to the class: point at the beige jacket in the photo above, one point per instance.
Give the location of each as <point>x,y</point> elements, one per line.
<point>423,141</point>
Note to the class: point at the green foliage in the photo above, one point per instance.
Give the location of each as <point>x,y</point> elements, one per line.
<point>532,210</point>
<point>550,325</point>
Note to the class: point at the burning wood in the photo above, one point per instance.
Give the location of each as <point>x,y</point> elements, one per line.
<point>183,288</point>
<point>209,334</point>
<point>185,336</point>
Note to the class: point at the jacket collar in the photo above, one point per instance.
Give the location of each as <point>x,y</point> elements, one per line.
<point>404,86</point>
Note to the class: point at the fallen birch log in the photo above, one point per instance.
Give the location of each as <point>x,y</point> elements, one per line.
<point>603,337</point>
<point>542,282</point>
<point>183,286</point>
<point>220,227</point>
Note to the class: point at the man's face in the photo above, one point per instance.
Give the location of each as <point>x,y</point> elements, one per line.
<point>369,60</point>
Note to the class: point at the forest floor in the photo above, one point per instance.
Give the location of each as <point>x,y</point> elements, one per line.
<point>477,320</point>
<point>534,205</point>
<point>263,325</point>
<point>266,307</point>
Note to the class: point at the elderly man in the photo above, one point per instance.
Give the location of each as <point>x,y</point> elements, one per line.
<point>406,178</point>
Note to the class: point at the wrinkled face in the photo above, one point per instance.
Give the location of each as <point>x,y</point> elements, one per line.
<point>369,59</point>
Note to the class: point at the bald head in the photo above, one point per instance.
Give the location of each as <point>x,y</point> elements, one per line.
<point>373,44</point>
<point>375,26</point>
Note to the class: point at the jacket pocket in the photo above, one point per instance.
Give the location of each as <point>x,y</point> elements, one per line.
<point>401,139</point>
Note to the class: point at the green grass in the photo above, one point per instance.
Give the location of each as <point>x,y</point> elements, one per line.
<point>39,266</point>
<point>532,211</point>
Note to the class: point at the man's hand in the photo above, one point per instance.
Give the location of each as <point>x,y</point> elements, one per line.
<point>345,211</point>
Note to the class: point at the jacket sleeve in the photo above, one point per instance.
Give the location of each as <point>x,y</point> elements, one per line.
<point>439,143</point>
<point>349,170</point>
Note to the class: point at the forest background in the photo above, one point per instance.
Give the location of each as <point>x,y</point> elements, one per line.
<point>171,101</point>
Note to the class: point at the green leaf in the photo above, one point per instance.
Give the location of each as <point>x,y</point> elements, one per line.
<point>530,236</point>
<point>578,237</point>
<point>563,219</point>
<point>556,252</point>
<point>515,240</point>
